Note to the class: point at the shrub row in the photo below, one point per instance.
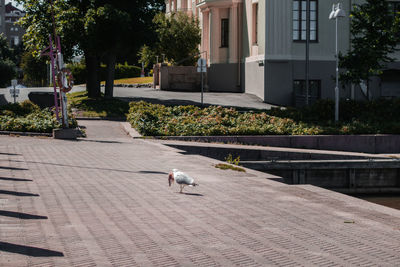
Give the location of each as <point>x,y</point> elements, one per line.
<point>160,120</point>
<point>121,71</point>
<point>27,117</point>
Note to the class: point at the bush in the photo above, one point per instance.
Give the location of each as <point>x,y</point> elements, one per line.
<point>361,118</point>
<point>27,117</point>
<point>121,71</point>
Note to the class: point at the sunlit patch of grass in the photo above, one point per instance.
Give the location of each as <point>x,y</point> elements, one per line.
<point>136,80</point>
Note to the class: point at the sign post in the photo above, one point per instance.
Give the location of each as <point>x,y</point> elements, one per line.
<point>14,92</point>
<point>202,67</point>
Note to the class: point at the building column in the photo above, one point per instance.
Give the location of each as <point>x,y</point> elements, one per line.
<point>205,33</point>
<point>214,35</point>
<point>233,33</point>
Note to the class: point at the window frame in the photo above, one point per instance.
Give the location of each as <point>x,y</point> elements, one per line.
<point>299,22</point>
<point>302,83</point>
<point>224,33</point>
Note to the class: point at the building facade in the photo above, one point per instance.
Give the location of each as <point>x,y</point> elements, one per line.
<point>14,32</point>
<point>2,16</point>
<point>259,47</point>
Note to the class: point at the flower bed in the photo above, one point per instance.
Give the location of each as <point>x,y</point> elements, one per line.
<point>28,117</point>
<point>159,120</point>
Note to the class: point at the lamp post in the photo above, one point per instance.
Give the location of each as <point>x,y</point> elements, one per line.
<point>337,12</point>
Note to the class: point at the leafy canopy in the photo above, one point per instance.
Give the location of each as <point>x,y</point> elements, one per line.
<point>375,35</point>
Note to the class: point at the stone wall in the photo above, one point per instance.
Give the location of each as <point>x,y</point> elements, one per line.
<point>178,78</point>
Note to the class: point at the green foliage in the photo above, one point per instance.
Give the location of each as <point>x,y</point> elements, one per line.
<point>356,118</point>
<point>179,37</point>
<point>224,166</point>
<point>121,71</point>
<point>147,56</point>
<point>375,35</point>
<point>34,69</point>
<point>7,67</point>
<point>97,107</point>
<point>230,160</point>
<point>27,117</point>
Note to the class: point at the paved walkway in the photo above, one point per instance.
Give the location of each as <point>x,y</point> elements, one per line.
<point>105,201</point>
<point>158,96</point>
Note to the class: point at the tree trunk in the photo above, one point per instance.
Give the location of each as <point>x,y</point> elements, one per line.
<point>92,76</point>
<point>109,89</point>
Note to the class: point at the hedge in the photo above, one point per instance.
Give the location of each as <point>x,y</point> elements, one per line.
<point>160,120</point>
<point>121,71</point>
<point>28,117</point>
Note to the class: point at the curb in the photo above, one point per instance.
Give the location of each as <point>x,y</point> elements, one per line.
<point>126,126</point>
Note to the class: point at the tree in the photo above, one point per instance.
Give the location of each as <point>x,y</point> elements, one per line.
<point>7,66</point>
<point>34,69</point>
<point>179,37</point>
<point>375,35</point>
<point>98,29</point>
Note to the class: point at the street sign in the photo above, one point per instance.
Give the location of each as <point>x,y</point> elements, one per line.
<point>201,65</point>
<point>14,91</point>
<point>14,82</point>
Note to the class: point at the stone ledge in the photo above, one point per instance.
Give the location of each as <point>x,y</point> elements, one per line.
<point>68,133</point>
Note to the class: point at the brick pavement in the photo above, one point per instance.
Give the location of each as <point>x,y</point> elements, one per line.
<point>105,201</point>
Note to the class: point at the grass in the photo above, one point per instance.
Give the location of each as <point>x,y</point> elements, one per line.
<point>97,107</point>
<point>136,80</point>
<point>224,166</point>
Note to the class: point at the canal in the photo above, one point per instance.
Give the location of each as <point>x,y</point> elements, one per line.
<point>388,200</point>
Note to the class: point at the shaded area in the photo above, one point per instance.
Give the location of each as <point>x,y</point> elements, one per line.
<point>12,168</point>
<point>152,172</point>
<point>182,102</point>
<point>21,215</point>
<point>11,154</point>
<point>29,251</point>
<point>3,100</point>
<point>193,194</point>
<point>388,200</point>
<point>15,179</point>
<point>100,141</point>
<point>20,194</point>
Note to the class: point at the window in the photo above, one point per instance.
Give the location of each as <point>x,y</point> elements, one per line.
<point>224,32</point>
<point>300,20</point>
<point>255,24</point>
<point>299,87</point>
<point>394,9</point>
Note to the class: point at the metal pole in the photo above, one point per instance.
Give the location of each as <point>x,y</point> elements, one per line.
<point>15,96</point>
<point>307,51</point>
<point>337,77</point>
<point>202,89</point>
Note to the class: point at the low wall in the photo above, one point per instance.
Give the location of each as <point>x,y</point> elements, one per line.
<point>355,143</point>
<point>179,78</point>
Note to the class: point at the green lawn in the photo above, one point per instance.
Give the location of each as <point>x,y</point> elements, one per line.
<point>83,106</point>
<point>136,80</point>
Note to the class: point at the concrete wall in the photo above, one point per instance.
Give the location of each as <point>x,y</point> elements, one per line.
<point>224,78</point>
<point>253,73</point>
<point>181,78</point>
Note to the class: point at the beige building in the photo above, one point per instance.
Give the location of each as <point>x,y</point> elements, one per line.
<point>9,15</point>
<point>259,47</point>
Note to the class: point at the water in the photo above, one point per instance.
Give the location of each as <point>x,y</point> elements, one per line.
<point>388,200</point>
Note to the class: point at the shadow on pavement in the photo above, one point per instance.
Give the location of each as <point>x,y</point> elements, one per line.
<point>152,172</point>
<point>15,193</point>
<point>100,141</point>
<point>15,179</point>
<point>11,154</point>
<point>29,251</point>
<point>193,194</point>
<point>12,168</point>
<point>21,215</point>
<point>3,100</point>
